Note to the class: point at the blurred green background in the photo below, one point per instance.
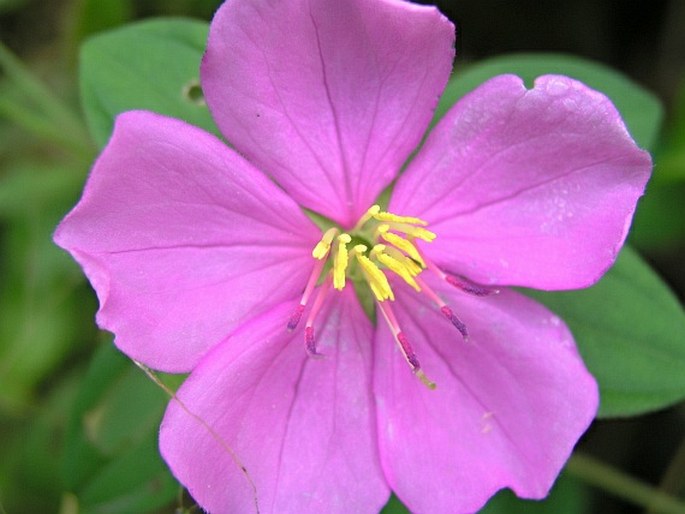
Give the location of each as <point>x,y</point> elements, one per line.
<point>71,439</point>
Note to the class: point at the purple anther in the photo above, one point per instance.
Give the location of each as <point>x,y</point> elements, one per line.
<point>309,343</point>
<point>470,287</point>
<point>408,351</point>
<point>447,312</point>
<point>295,317</point>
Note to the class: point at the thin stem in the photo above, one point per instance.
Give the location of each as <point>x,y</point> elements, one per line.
<point>612,480</point>
<point>674,478</point>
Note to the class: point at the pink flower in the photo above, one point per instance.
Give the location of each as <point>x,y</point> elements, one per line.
<point>200,262</point>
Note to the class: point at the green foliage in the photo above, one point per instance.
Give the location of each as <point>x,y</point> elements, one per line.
<point>11,5</point>
<point>96,15</point>
<point>630,329</point>
<point>659,222</point>
<point>41,308</point>
<point>151,65</point>
<point>671,155</point>
<point>111,458</point>
<point>30,478</point>
<point>640,109</point>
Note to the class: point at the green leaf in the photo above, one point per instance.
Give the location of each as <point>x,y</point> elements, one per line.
<point>630,330</point>
<point>11,5</point>
<point>30,452</point>
<point>27,101</point>
<point>111,459</point>
<point>150,65</point>
<point>670,158</point>
<point>640,109</point>
<point>659,223</point>
<point>97,15</point>
<point>137,481</point>
<point>394,506</point>
<point>40,313</point>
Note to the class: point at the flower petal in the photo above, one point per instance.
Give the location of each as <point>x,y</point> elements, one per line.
<point>527,187</point>
<point>509,406</point>
<point>329,97</point>
<point>303,428</point>
<point>182,239</point>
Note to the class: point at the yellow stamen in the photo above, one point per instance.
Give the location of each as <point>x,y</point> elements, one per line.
<point>411,266</point>
<point>374,276</point>
<point>425,380</point>
<point>394,265</point>
<point>370,213</point>
<point>417,232</point>
<point>358,249</point>
<point>340,262</point>
<point>388,216</point>
<point>401,243</point>
<point>324,246</point>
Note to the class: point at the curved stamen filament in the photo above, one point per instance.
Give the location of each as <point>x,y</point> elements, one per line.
<point>460,283</point>
<point>370,213</point>
<point>309,342</point>
<point>403,344</point>
<point>470,287</point>
<point>311,284</point>
<point>444,308</point>
<point>322,248</point>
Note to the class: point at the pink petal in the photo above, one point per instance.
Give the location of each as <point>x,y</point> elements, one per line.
<point>509,406</point>
<point>182,240</point>
<point>329,97</point>
<point>303,428</point>
<point>527,187</point>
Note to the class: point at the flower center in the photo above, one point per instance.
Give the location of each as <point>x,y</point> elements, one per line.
<point>381,245</point>
<point>379,242</point>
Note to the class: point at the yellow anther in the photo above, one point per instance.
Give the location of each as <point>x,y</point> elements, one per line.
<point>376,292</point>
<point>394,218</point>
<point>358,249</point>
<point>324,246</point>
<point>340,261</point>
<point>425,380</point>
<point>417,232</point>
<point>379,248</point>
<point>401,243</point>
<point>370,213</point>
<point>395,266</point>
<point>398,255</point>
<point>375,277</point>
<point>411,266</point>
